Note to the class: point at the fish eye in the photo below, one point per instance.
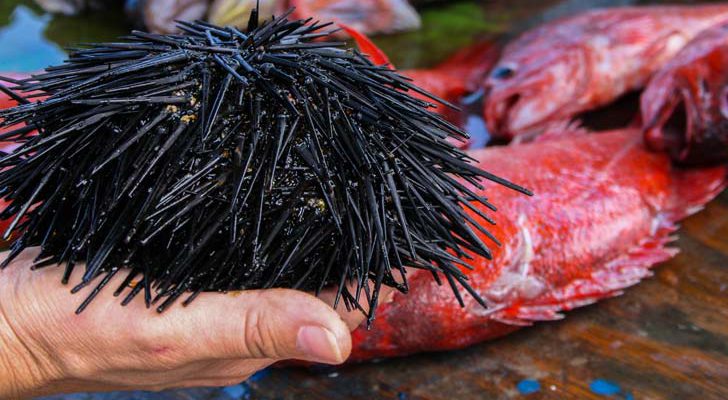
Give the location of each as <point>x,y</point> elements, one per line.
<point>503,72</point>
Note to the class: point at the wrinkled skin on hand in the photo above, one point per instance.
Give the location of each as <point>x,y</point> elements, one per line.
<point>685,105</point>
<point>220,339</point>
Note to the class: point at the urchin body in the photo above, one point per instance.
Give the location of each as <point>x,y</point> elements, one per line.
<point>220,160</point>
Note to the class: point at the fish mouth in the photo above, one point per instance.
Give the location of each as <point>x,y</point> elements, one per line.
<point>498,112</point>
<point>680,130</point>
<point>670,130</point>
<point>516,114</point>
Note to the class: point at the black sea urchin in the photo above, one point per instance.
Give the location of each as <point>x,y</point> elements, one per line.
<point>220,160</point>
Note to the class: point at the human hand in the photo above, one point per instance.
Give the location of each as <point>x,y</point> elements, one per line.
<point>216,341</point>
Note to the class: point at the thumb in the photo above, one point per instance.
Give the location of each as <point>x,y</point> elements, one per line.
<point>273,324</point>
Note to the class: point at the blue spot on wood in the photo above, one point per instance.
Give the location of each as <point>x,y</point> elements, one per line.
<point>528,386</point>
<point>238,392</point>
<point>259,375</point>
<point>604,387</point>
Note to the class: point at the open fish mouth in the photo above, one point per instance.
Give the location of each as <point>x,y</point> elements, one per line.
<point>498,113</point>
<point>683,129</point>
<point>518,113</point>
<point>670,129</point>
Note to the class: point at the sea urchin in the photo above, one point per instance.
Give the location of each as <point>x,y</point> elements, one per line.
<point>219,160</point>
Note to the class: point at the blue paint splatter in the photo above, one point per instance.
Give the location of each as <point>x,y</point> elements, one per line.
<point>402,396</point>
<point>528,386</point>
<point>628,396</point>
<point>604,387</point>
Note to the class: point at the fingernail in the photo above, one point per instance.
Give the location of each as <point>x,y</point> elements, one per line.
<point>319,344</point>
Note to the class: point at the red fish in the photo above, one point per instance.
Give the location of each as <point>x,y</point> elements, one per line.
<point>603,213</point>
<point>450,81</point>
<point>459,74</point>
<point>366,45</point>
<point>556,71</point>
<point>685,105</point>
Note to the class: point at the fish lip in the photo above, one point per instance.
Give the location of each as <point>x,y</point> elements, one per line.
<point>673,126</point>
<point>511,92</point>
<point>500,105</point>
<point>498,111</point>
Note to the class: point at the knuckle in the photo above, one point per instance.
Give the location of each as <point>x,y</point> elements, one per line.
<point>260,340</point>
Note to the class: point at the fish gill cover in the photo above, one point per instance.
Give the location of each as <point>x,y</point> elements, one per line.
<point>219,160</point>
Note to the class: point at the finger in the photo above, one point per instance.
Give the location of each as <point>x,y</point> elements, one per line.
<point>272,324</point>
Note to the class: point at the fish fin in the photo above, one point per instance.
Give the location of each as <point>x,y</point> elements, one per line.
<point>608,281</point>
<point>366,45</point>
<point>695,188</point>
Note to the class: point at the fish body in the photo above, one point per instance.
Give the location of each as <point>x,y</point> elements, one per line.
<point>560,69</point>
<point>603,212</point>
<point>685,105</point>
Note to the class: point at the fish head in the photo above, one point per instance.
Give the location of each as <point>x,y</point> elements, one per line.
<point>685,107</point>
<point>531,87</point>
